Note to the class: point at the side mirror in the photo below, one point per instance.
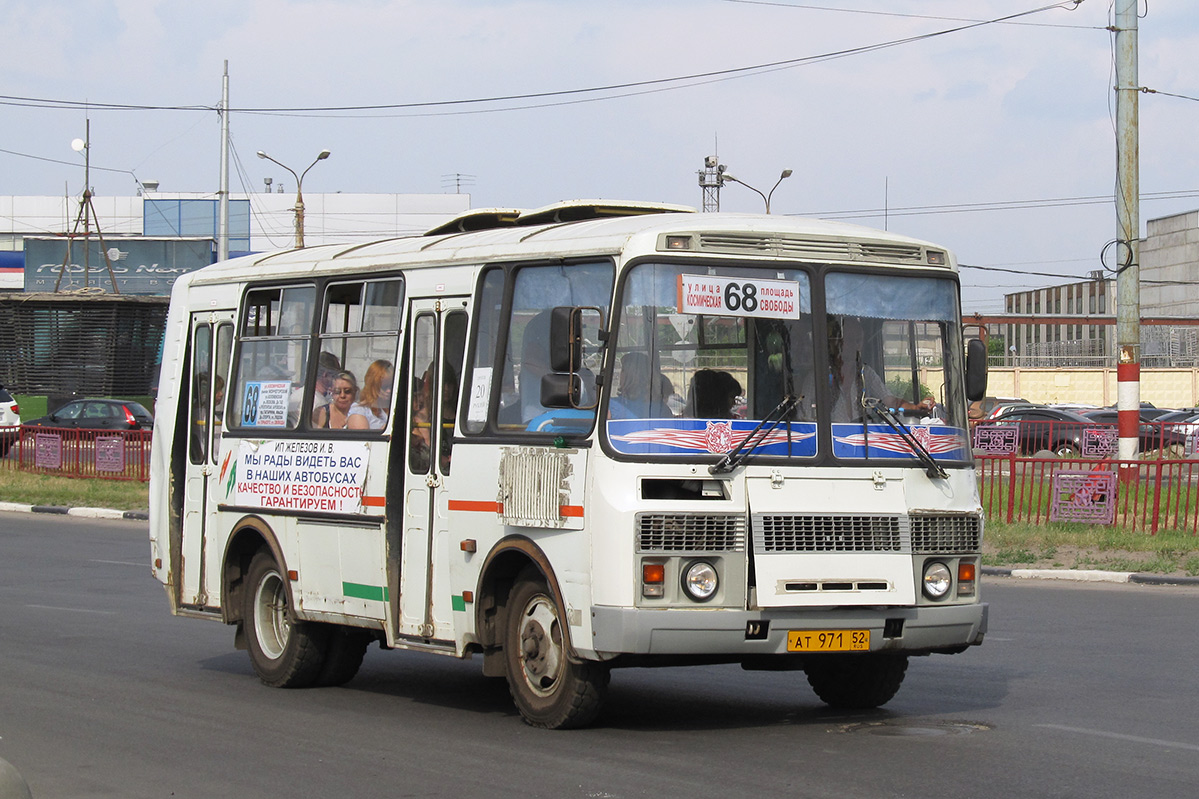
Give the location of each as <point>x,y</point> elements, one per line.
<point>566,339</point>
<point>976,370</point>
<point>561,390</point>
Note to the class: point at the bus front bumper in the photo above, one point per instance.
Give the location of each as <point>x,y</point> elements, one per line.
<point>726,631</point>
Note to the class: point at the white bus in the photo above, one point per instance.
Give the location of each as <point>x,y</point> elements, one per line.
<point>588,436</point>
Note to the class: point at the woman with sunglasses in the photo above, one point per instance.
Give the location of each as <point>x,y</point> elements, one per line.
<point>374,403</point>
<point>336,415</point>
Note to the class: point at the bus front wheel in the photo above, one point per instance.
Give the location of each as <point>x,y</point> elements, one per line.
<point>856,681</point>
<point>550,690</point>
<point>283,652</point>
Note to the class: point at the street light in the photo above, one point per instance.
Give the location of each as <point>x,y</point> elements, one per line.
<point>765,197</point>
<point>299,192</point>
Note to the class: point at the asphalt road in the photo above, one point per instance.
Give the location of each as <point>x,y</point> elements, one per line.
<point>1079,691</point>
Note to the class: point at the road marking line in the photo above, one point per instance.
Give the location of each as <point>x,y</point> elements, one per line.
<point>121,562</point>
<point>1121,737</point>
<point>74,610</point>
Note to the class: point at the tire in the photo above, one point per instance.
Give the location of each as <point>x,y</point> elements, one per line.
<point>343,656</point>
<point>284,653</point>
<point>549,689</point>
<point>1067,449</point>
<point>856,681</point>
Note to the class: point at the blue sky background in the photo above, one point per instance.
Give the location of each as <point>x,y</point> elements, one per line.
<point>1014,114</point>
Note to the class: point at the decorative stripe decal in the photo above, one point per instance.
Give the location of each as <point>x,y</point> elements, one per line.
<point>374,593</point>
<point>476,505</point>
<point>373,502</point>
<point>483,506</point>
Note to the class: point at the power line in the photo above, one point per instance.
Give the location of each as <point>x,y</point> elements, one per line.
<point>1003,205</point>
<point>663,84</point>
<point>807,7</point>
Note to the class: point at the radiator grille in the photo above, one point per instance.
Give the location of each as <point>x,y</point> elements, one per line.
<point>688,532</point>
<point>945,533</point>
<point>828,533</point>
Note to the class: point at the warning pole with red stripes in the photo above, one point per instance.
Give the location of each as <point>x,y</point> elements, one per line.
<point>1128,225</point>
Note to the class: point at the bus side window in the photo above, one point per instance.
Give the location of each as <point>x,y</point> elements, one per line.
<point>201,384</point>
<point>223,353</point>
<point>452,354</point>
<point>359,326</point>
<point>270,389</point>
<point>421,418</point>
<point>487,332</point>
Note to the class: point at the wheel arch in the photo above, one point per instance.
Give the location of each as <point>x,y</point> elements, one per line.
<point>250,534</point>
<point>504,564</point>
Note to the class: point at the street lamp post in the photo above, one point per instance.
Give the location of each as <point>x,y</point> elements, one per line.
<point>299,191</point>
<point>765,197</point>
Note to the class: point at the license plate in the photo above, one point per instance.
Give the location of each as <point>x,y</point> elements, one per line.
<point>828,640</point>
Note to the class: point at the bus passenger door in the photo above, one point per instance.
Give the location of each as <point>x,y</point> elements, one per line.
<point>211,346</point>
<point>435,347</point>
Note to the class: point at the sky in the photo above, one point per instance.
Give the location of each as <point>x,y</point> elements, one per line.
<point>996,140</point>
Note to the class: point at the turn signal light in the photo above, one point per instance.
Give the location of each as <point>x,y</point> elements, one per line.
<point>653,579</point>
<point>966,573</point>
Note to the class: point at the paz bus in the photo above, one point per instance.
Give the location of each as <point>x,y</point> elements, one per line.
<point>601,435</point>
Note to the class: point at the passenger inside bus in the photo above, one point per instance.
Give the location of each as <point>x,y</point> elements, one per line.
<point>534,365</point>
<point>374,401</point>
<point>420,433</point>
<point>847,355</point>
<point>713,394</point>
<point>327,368</point>
<point>641,390</point>
<point>336,415</point>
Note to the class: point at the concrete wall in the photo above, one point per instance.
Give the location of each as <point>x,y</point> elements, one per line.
<point>1165,388</point>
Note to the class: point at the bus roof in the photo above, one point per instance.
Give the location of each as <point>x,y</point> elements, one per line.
<point>585,228</point>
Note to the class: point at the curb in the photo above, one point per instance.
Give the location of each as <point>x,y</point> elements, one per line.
<point>87,513</point>
<point>1089,576</point>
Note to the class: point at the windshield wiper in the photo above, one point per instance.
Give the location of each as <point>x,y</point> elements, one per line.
<point>734,457</point>
<point>922,454</point>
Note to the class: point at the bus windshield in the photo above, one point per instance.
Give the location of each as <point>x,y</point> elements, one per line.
<point>706,353</point>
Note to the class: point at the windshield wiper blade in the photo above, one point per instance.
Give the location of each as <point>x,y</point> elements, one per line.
<point>922,454</point>
<point>735,456</point>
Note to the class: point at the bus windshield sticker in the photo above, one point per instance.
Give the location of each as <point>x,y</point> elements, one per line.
<point>265,403</point>
<point>480,394</point>
<point>735,296</point>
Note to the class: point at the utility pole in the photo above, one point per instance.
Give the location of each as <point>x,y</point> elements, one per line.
<point>1128,231</point>
<point>222,237</point>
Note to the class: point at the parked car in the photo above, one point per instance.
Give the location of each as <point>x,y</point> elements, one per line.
<point>1152,435</point>
<point>10,420</point>
<point>1042,427</point>
<point>987,405</point>
<point>1182,427</point>
<point>97,414</point>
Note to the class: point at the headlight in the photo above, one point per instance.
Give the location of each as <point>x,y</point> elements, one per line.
<point>937,580</point>
<point>700,581</point>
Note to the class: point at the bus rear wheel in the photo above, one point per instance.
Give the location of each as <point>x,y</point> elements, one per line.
<point>283,652</point>
<point>343,657</point>
<point>856,681</point>
<point>549,689</point>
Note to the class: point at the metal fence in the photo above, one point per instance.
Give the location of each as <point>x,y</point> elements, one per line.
<point>1145,495</point>
<point>104,454</point>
